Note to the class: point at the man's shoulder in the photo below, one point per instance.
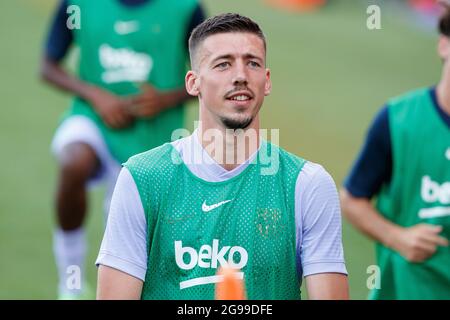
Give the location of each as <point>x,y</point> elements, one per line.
<point>315,171</point>
<point>315,183</point>
<point>288,158</point>
<point>309,174</point>
<point>410,98</point>
<point>276,161</point>
<point>152,159</point>
<point>410,109</point>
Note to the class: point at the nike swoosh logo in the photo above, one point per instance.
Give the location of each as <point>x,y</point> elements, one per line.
<point>206,208</point>
<point>447,153</point>
<point>126,27</point>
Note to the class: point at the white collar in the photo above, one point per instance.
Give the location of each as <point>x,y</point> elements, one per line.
<point>201,164</point>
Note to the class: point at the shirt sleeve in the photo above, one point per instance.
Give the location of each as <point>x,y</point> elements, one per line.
<point>198,16</point>
<point>59,37</point>
<point>124,245</point>
<point>318,222</point>
<point>373,167</point>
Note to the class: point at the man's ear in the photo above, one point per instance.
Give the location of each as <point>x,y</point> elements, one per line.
<point>191,81</point>
<point>443,47</point>
<point>268,86</point>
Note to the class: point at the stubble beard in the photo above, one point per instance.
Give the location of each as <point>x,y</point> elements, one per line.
<point>237,124</point>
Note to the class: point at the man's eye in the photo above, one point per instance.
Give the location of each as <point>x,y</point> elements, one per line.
<point>254,64</point>
<point>223,65</point>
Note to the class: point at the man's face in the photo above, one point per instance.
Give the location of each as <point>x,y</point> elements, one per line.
<point>444,48</point>
<point>230,79</point>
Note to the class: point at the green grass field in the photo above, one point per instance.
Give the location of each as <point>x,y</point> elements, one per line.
<point>330,75</point>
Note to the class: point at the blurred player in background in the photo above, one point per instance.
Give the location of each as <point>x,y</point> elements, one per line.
<point>174,221</point>
<point>405,162</point>
<point>129,96</point>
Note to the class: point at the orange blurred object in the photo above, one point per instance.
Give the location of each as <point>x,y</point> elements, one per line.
<point>298,5</point>
<point>232,286</point>
<point>426,6</point>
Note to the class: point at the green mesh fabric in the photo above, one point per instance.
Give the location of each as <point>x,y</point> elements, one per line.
<point>253,228</point>
<point>420,185</point>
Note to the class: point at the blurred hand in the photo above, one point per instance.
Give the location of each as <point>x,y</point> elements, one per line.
<point>148,103</point>
<point>419,242</point>
<point>111,108</point>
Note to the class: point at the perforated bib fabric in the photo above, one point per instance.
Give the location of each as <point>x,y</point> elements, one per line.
<point>419,192</point>
<point>195,226</point>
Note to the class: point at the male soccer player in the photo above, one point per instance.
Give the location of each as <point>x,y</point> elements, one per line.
<point>175,220</point>
<point>128,99</point>
<point>405,162</point>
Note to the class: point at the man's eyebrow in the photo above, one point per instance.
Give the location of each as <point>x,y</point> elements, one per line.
<point>223,57</point>
<point>252,56</point>
<point>231,57</point>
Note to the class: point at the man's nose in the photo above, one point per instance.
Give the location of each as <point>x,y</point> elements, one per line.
<point>240,77</point>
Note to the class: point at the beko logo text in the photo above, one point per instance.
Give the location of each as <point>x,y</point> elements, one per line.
<point>433,192</point>
<point>210,257</point>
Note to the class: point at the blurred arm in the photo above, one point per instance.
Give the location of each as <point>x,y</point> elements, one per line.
<point>59,40</point>
<point>122,259</point>
<point>152,101</point>
<point>111,108</point>
<point>327,286</point>
<point>371,170</point>
<point>416,243</point>
<point>361,213</point>
<point>117,285</point>
<point>52,72</point>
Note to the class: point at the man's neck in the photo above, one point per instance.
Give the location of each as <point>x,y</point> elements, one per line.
<point>230,148</point>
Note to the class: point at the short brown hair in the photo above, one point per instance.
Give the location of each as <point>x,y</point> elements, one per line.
<point>223,23</point>
<point>444,20</point>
